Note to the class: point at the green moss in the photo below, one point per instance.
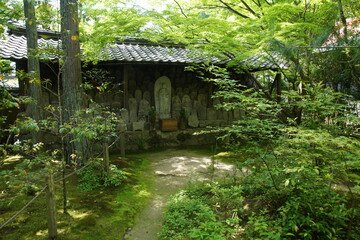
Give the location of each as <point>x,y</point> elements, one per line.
<point>99,214</point>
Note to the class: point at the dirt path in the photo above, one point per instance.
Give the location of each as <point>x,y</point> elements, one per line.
<point>173,169</point>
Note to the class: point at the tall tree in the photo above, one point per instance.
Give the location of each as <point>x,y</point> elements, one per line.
<point>73,98</point>
<point>33,64</point>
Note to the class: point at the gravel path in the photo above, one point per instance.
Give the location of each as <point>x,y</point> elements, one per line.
<point>173,170</point>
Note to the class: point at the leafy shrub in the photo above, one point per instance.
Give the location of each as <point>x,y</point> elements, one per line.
<point>183,215</point>
<point>203,211</point>
<point>315,213</point>
<point>30,189</point>
<point>209,230</point>
<point>94,176</point>
<point>262,226</point>
<point>115,178</point>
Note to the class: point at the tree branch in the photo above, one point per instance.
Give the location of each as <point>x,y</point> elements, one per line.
<point>183,13</point>
<point>269,171</point>
<point>233,10</point>
<point>249,9</point>
<point>258,84</point>
<point>257,3</point>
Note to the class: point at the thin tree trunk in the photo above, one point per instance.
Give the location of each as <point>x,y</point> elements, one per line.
<point>278,87</point>
<point>343,19</point>
<point>33,65</point>
<point>51,208</point>
<point>348,55</point>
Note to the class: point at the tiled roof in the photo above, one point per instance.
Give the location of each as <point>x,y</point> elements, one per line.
<point>14,48</point>
<point>128,51</point>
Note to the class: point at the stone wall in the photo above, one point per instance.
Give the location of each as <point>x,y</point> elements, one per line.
<point>142,140</point>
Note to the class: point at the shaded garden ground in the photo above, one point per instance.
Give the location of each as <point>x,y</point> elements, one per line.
<point>173,170</point>
<point>131,211</point>
<point>98,214</point>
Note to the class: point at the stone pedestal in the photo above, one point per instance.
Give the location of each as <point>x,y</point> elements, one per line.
<point>138,126</point>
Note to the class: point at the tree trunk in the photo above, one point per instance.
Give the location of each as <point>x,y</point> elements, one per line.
<point>278,87</point>
<point>73,96</point>
<point>348,54</point>
<point>33,66</point>
<point>51,208</point>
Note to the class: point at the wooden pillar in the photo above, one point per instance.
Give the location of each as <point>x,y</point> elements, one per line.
<point>122,144</point>
<point>51,208</point>
<point>118,78</point>
<point>126,85</point>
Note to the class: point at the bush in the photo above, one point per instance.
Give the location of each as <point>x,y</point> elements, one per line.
<point>315,213</point>
<point>188,218</point>
<point>115,178</point>
<point>94,176</point>
<point>226,211</point>
<point>262,226</point>
<point>203,211</point>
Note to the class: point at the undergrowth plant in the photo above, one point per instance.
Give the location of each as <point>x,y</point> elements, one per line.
<point>95,176</point>
<point>302,178</point>
<point>191,218</point>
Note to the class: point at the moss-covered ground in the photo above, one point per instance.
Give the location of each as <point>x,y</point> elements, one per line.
<point>99,214</point>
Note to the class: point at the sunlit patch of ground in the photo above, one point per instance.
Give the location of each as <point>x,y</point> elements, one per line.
<point>173,170</point>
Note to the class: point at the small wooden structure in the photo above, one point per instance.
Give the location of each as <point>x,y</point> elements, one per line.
<point>167,125</point>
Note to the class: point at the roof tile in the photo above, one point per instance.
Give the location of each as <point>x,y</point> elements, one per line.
<point>15,48</point>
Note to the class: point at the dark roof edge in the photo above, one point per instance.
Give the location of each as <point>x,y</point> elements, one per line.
<point>18,30</point>
<point>21,31</point>
<point>146,41</point>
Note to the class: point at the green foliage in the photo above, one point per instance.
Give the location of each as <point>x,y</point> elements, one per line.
<point>94,123</point>
<point>188,218</point>
<point>315,212</point>
<point>208,230</point>
<point>203,211</point>
<point>293,154</point>
<point>7,100</point>
<point>10,12</point>
<point>115,178</point>
<point>47,15</point>
<point>94,176</point>
<point>113,208</point>
<point>5,67</point>
<point>29,174</point>
<point>98,81</point>
<point>101,25</point>
<point>262,226</point>
<point>91,177</point>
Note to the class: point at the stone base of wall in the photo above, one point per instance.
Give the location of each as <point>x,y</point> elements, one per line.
<point>143,140</point>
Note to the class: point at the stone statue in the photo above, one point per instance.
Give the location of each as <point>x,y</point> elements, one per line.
<point>162,92</point>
